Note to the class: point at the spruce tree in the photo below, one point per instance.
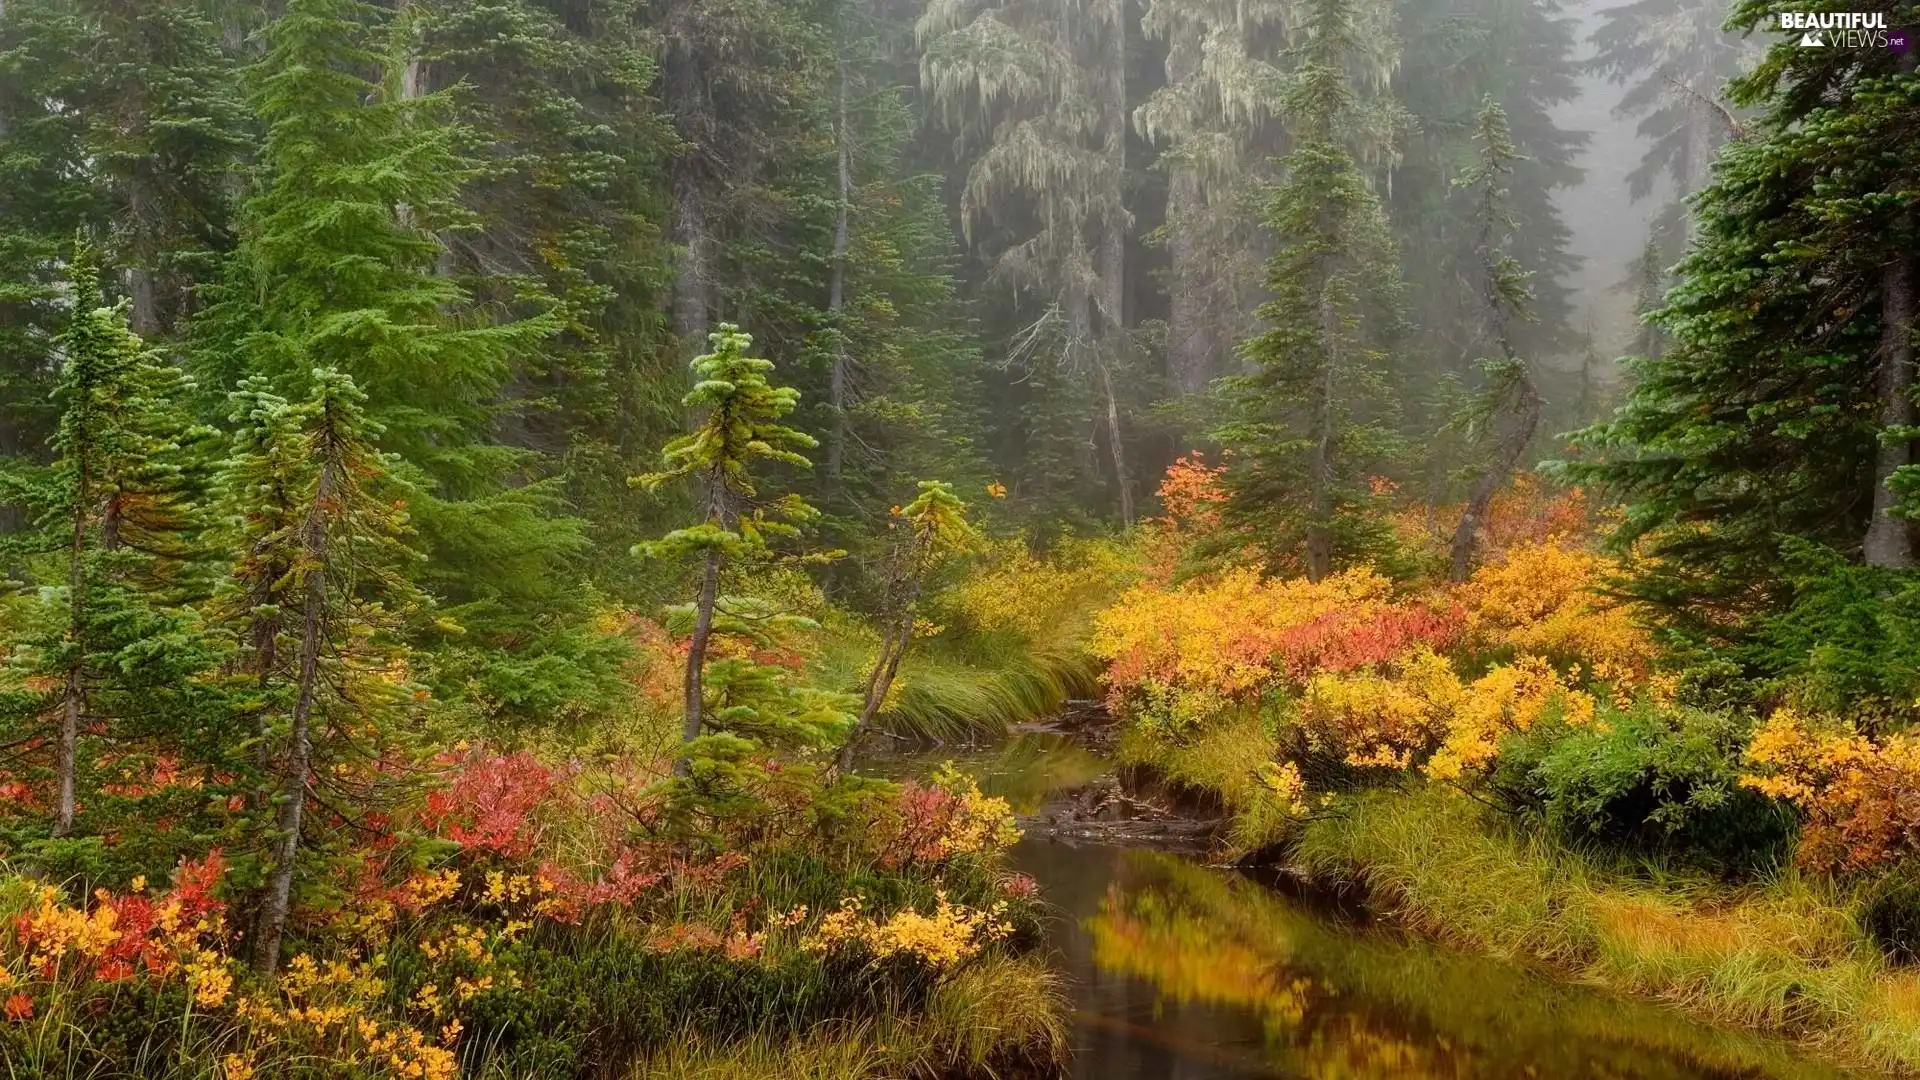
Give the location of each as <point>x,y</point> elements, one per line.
<point>931,527</point>
<point>739,430</point>
<point>1511,399</point>
<point>318,603</point>
<point>1313,420</point>
<point>115,515</point>
<point>339,268</point>
<point>1778,416</point>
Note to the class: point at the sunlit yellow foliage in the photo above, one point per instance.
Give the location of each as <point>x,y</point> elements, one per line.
<point>1382,721</point>
<point>980,824</point>
<point>1014,590</point>
<point>1857,792</point>
<point>1508,699</point>
<point>1223,636</point>
<point>952,933</point>
<point>1543,599</point>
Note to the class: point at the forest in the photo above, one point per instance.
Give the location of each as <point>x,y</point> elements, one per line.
<point>522,520</point>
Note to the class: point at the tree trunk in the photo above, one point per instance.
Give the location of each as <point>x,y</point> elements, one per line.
<point>686,101</point>
<point>1467,536</point>
<point>73,695</point>
<point>837,294</point>
<point>1189,340</point>
<point>1112,255</point>
<point>697,645</point>
<point>1124,481</point>
<point>299,769</point>
<point>893,648</point>
<point>1889,542</point>
<point>144,292</point>
<point>1320,466</point>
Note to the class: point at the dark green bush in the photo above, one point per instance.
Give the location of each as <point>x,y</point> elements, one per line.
<point>1890,915</point>
<point>1649,780</point>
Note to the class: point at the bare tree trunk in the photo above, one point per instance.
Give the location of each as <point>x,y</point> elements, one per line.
<point>144,292</point>
<point>1889,542</point>
<point>1114,443</point>
<point>1467,535</point>
<point>1112,255</point>
<point>837,293</point>
<point>299,769</point>
<point>686,101</point>
<point>73,697</point>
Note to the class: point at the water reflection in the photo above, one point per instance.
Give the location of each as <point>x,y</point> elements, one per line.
<point>1182,972</point>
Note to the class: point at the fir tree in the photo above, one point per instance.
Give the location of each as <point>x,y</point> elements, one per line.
<point>1511,396</point>
<point>1779,413</point>
<point>931,527</point>
<point>116,507</point>
<point>339,269</point>
<point>1310,424</point>
<point>317,602</point>
<point>740,429</point>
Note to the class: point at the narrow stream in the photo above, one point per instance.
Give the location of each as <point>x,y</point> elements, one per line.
<point>1182,971</point>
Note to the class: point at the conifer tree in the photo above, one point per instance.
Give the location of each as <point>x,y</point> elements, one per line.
<point>339,268</point>
<point>1522,55</point>
<point>1511,397</point>
<point>116,508</point>
<point>1675,57</point>
<point>739,430</point>
<point>1213,117</point>
<point>1779,413</point>
<point>931,527</point>
<point>1036,92</point>
<point>317,602</point>
<point>1312,419</point>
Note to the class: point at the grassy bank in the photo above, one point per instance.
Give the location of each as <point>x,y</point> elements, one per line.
<point>1785,955</point>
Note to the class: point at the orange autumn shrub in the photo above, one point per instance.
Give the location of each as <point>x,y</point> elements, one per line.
<point>1244,634</point>
<point>1860,795</point>
<point>1544,599</point>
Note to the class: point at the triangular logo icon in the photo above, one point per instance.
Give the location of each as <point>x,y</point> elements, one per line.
<point>1811,37</point>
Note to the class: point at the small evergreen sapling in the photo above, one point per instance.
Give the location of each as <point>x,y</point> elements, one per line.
<point>739,430</point>
<point>928,529</point>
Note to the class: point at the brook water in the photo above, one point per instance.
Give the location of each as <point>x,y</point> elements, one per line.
<point>1183,971</point>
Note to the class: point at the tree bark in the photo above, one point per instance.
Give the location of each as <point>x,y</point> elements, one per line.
<point>1467,535</point>
<point>686,101</point>
<point>1189,339</point>
<point>73,695</point>
<point>1320,465</point>
<point>1889,540</point>
<point>837,294</point>
<point>1112,255</point>
<point>697,646</point>
<point>299,769</point>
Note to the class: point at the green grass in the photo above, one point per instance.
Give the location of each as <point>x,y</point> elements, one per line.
<point>956,699</point>
<point>974,688</point>
<point>1221,762</point>
<point>1786,955</point>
